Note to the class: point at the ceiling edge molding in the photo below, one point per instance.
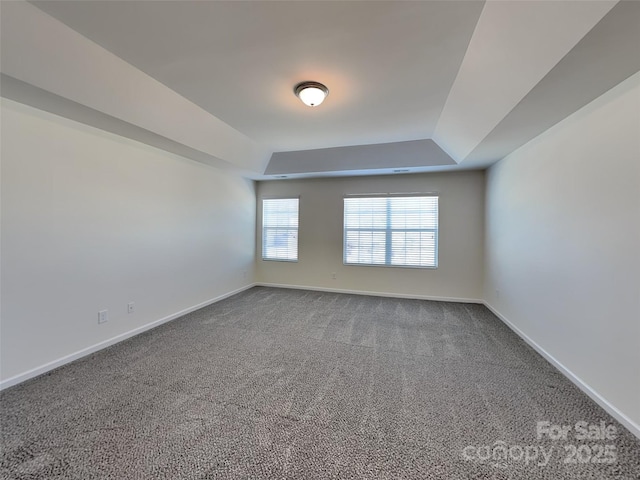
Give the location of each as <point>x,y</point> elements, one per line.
<point>43,52</point>
<point>385,156</point>
<point>506,58</point>
<point>21,92</point>
<point>604,58</point>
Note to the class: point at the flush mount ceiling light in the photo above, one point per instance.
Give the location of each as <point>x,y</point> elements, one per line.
<point>311,93</point>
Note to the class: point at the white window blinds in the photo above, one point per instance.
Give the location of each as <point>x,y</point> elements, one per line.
<point>280,229</point>
<point>391,230</point>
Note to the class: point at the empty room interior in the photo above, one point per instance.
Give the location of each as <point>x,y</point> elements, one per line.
<point>320,239</point>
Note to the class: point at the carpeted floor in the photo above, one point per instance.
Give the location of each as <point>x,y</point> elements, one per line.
<point>286,384</point>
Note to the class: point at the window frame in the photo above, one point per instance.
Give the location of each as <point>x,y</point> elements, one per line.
<point>263,229</point>
<point>388,231</point>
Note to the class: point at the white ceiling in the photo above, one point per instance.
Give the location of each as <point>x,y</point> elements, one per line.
<point>214,80</point>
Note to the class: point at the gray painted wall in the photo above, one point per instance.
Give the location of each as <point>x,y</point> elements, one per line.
<point>562,239</point>
<point>460,270</point>
<point>93,221</point>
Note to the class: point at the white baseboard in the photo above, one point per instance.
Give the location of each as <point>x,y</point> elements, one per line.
<point>9,382</point>
<point>633,427</point>
<point>373,294</point>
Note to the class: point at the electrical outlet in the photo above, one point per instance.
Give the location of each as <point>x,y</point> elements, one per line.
<point>131,307</point>
<point>497,293</point>
<point>103,316</point>
<point>333,275</point>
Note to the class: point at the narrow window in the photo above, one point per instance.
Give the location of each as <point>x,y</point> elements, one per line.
<point>280,229</point>
<point>391,231</point>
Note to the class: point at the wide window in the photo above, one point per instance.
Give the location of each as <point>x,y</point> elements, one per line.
<point>280,229</point>
<point>391,230</point>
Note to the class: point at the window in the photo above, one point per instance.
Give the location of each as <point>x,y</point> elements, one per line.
<point>280,229</point>
<point>391,230</point>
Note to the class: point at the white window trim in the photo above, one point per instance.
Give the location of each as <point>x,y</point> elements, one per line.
<point>263,229</point>
<point>388,231</point>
